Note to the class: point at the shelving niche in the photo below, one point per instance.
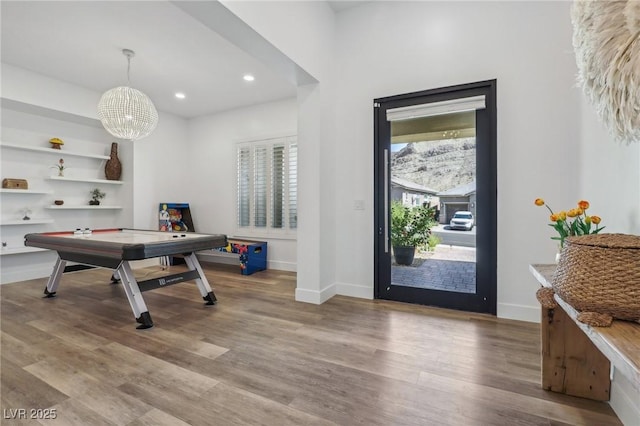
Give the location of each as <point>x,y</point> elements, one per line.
<point>26,154</point>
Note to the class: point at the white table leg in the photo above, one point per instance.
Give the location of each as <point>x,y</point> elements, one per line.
<point>54,278</point>
<point>134,295</point>
<point>202,283</point>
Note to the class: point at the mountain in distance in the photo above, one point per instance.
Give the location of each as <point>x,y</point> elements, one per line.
<point>439,165</point>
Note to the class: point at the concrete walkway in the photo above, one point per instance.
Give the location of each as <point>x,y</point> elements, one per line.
<point>449,268</point>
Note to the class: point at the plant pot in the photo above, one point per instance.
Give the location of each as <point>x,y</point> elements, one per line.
<point>404,254</point>
<point>94,203</point>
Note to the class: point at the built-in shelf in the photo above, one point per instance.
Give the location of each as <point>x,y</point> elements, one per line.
<point>58,152</point>
<point>26,222</point>
<point>82,207</point>
<point>24,191</point>
<point>69,179</point>
<point>4,251</point>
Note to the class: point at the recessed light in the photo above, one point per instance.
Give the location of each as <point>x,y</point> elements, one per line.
<point>248,77</point>
<point>180,95</point>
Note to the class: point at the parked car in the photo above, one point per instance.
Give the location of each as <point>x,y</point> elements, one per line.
<point>462,220</point>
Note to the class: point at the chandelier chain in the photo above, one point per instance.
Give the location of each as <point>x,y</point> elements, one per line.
<point>128,69</point>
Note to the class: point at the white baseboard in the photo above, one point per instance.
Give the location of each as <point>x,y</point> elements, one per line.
<point>282,266</point>
<point>519,312</point>
<point>355,290</point>
<point>625,401</point>
<point>139,264</point>
<point>25,274</point>
<point>44,271</point>
<point>218,257</point>
<point>314,296</point>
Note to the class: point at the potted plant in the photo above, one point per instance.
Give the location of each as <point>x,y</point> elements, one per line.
<point>410,228</point>
<point>61,167</point>
<point>96,196</point>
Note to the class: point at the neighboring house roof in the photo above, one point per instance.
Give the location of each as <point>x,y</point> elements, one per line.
<point>411,186</point>
<point>462,190</point>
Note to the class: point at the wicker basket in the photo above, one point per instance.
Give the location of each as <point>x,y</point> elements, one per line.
<point>600,274</point>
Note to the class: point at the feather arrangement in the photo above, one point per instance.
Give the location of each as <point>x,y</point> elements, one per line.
<point>606,41</point>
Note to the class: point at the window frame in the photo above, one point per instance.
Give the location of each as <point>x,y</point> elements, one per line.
<point>267,231</point>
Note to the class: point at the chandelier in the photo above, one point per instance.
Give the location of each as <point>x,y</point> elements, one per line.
<point>125,112</point>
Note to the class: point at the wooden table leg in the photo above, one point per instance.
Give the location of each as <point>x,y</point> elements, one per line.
<point>571,364</point>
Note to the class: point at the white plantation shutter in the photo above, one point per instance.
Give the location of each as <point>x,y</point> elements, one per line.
<point>260,174</point>
<point>244,187</point>
<point>278,186</point>
<point>267,186</point>
<point>293,185</point>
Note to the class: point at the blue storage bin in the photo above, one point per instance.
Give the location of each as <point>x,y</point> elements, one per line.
<point>252,254</point>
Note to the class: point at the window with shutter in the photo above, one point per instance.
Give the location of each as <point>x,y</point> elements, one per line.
<point>267,187</point>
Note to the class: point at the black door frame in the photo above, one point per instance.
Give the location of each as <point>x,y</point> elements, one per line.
<point>486,189</point>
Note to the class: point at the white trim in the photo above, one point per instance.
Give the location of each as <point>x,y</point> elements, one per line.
<point>25,274</point>
<point>25,222</point>
<point>315,297</point>
<point>279,265</point>
<point>266,138</point>
<point>144,263</point>
<point>214,256</point>
<point>519,312</point>
<point>355,290</point>
<point>276,234</point>
<point>436,108</point>
<point>625,401</point>
<point>8,251</point>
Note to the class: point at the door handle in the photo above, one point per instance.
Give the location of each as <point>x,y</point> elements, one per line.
<point>386,201</point>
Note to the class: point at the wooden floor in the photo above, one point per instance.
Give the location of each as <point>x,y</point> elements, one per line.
<point>259,357</point>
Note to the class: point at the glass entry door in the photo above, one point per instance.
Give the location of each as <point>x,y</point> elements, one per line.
<point>435,159</point>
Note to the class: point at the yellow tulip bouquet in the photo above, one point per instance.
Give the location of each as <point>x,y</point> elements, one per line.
<point>572,222</point>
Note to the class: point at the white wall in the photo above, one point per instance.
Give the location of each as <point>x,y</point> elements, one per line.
<point>610,179</point>
<point>162,169</point>
<point>159,160</point>
<point>288,24</point>
<point>609,175</point>
<point>211,168</point>
<point>304,31</point>
<point>388,48</point>
<point>34,130</point>
<point>381,49</point>
<point>36,89</point>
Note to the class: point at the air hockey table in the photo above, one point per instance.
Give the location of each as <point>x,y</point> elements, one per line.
<point>116,248</point>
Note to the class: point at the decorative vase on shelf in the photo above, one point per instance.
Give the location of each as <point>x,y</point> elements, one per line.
<point>60,172</point>
<point>113,168</point>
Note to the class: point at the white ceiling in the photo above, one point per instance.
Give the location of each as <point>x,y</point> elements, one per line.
<point>81,42</point>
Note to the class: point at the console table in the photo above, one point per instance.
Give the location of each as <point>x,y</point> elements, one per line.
<point>577,358</point>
